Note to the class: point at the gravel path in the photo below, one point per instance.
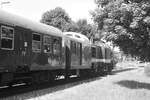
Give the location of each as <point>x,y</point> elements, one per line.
<point>128,85</point>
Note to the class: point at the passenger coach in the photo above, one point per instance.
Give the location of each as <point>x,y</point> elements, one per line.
<point>28,50</point>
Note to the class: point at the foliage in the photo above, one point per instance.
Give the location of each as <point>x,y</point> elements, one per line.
<point>127,24</point>
<point>59,18</point>
<point>85,28</point>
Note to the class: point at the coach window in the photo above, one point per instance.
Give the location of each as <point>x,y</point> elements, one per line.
<point>56,46</point>
<point>100,53</point>
<point>7,38</point>
<point>93,52</point>
<point>47,44</point>
<point>73,47</point>
<point>36,42</point>
<point>106,53</point>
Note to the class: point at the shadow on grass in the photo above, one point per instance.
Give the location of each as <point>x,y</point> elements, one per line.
<point>134,84</point>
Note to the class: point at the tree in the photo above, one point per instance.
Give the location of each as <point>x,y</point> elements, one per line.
<point>59,18</point>
<point>85,28</point>
<point>127,24</point>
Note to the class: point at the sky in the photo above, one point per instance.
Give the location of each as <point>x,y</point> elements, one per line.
<point>33,9</point>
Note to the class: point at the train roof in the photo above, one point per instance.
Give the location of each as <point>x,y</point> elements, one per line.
<point>14,20</point>
<point>101,44</point>
<point>77,37</point>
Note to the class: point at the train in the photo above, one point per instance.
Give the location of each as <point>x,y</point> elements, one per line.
<point>32,52</point>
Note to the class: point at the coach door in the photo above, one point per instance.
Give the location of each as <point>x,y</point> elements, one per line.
<point>25,47</point>
<point>68,58</point>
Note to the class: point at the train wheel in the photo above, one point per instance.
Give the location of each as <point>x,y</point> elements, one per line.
<point>86,73</point>
<point>51,76</point>
<point>36,78</point>
<point>67,76</point>
<point>110,70</point>
<point>10,84</point>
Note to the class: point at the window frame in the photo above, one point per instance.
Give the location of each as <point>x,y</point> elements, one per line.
<point>1,37</point>
<point>48,44</point>
<point>58,44</point>
<point>93,49</point>
<point>37,50</point>
<point>73,47</point>
<point>99,53</point>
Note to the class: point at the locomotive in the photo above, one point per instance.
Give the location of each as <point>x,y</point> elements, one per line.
<point>33,52</point>
<point>102,58</point>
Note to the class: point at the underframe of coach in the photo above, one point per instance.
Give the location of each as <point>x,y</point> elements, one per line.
<point>25,55</point>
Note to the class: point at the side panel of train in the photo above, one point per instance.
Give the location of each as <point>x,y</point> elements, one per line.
<point>78,56</point>
<point>26,54</point>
